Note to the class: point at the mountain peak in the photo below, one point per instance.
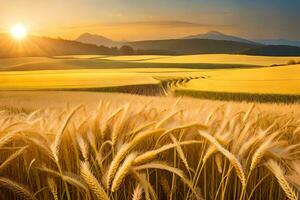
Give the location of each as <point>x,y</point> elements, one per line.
<point>215,35</point>
<point>90,35</point>
<point>89,38</point>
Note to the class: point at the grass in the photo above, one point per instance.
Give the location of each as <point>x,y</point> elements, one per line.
<point>131,147</point>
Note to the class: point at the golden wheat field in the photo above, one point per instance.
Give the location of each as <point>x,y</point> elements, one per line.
<point>192,75</point>
<point>131,147</point>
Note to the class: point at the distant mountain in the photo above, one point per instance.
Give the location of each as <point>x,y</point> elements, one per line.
<point>43,46</point>
<point>34,46</point>
<point>280,42</point>
<point>274,50</point>
<point>194,46</point>
<point>97,40</point>
<point>214,35</point>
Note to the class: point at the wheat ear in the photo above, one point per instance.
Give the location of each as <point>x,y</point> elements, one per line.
<point>17,188</point>
<point>122,171</point>
<point>53,188</point>
<point>125,149</point>
<point>137,193</point>
<point>92,182</point>
<point>278,172</point>
<point>234,161</point>
<point>12,157</point>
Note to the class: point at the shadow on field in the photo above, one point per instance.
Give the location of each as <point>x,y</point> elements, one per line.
<point>160,90</point>
<point>146,90</point>
<point>226,96</point>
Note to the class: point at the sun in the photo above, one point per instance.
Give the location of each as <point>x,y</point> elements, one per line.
<point>18,31</point>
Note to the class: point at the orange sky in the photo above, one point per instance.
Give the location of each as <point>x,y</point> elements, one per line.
<point>134,30</point>
<point>153,19</point>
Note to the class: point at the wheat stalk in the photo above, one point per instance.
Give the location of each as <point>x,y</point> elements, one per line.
<point>125,149</point>
<point>122,171</point>
<point>12,157</point>
<point>137,193</point>
<point>178,172</point>
<point>58,137</point>
<point>53,188</point>
<point>92,182</point>
<point>18,188</point>
<point>234,161</point>
<point>279,174</point>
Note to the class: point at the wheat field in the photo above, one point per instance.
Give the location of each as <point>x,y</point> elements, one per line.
<point>139,150</point>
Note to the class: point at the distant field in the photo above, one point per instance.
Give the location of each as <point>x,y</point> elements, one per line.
<point>189,75</point>
<point>64,79</point>
<point>274,80</point>
<point>225,59</point>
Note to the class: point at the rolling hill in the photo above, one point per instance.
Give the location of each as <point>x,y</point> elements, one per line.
<point>215,35</point>
<point>194,46</point>
<point>209,46</point>
<point>274,50</point>
<point>34,46</point>
<point>280,42</point>
<point>97,40</point>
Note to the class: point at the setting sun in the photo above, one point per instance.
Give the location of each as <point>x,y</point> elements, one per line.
<point>18,31</point>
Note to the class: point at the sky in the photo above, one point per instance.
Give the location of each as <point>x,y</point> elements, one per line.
<point>154,19</point>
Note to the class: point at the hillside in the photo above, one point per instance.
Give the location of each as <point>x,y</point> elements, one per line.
<point>274,50</point>
<point>280,42</point>
<point>43,46</point>
<point>215,35</point>
<point>97,40</point>
<point>34,46</point>
<point>194,46</point>
<point>207,46</point>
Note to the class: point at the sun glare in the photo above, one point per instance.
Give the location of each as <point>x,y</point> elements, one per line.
<point>18,31</point>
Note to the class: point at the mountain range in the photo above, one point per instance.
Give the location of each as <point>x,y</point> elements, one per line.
<point>215,35</point>
<point>211,35</point>
<point>210,43</point>
<point>280,42</point>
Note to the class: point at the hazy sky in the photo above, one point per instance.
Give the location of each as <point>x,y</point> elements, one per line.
<point>154,19</point>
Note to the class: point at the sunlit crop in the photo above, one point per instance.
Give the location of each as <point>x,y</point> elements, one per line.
<point>135,152</point>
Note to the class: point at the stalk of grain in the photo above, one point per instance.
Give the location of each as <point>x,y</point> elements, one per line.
<point>125,149</point>
<point>176,171</point>
<point>234,161</point>
<point>12,157</point>
<point>150,155</point>
<point>18,188</point>
<point>122,171</point>
<point>137,193</point>
<point>278,172</point>
<point>92,182</point>
<point>53,188</point>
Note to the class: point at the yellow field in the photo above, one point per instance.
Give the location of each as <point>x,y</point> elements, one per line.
<point>92,71</point>
<point>85,78</point>
<point>81,56</point>
<point>214,58</point>
<point>63,79</point>
<point>145,147</point>
<point>270,80</point>
<point>141,58</point>
<point>123,146</point>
